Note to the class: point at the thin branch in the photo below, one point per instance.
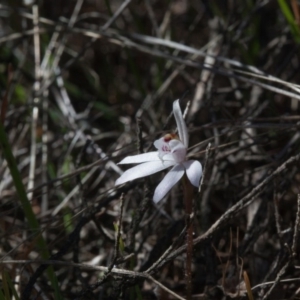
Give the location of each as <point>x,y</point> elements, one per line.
<point>117,271</point>
<point>296,230</point>
<point>235,209</point>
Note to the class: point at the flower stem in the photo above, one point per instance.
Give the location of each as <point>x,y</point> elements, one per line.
<point>188,200</point>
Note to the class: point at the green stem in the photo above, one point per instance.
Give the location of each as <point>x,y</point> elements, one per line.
<point>27,209</point>
<point>188,200</point>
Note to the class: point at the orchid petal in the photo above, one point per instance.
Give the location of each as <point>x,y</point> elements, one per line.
<point>142,170</point>
<point>193,171</point>
<point>181,126</point>
<point>140,158</point>
<point>168,182</point>
<point>178,150</point>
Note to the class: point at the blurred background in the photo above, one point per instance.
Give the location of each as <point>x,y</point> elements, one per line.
<point>85,83</point>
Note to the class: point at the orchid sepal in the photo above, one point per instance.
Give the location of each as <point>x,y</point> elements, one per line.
<point>181,126</point>
<point>144,169</point>
<point>140,158</point>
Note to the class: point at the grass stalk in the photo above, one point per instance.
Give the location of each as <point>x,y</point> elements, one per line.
<point>27,209</point>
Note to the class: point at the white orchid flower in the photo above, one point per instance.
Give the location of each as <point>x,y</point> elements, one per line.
<point>171,153</point>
